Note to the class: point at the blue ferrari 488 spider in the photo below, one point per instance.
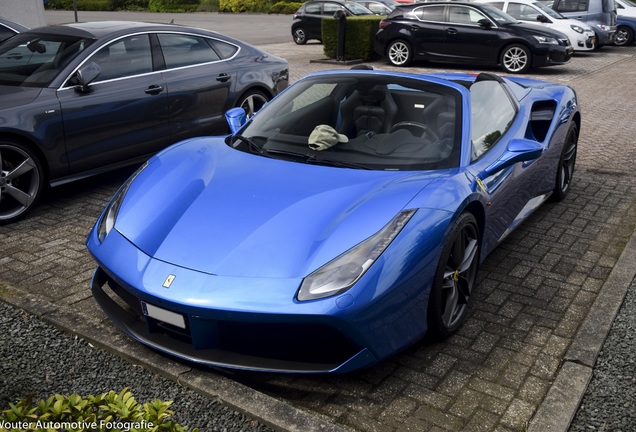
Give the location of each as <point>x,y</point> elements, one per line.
<point>338,225</point>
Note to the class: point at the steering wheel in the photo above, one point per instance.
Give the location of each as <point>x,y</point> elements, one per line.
<point>417,129</point>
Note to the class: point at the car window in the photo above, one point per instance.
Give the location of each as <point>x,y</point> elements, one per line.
<point>498,5</point>
<point>331,8</point>
<point>430,13</point>
<point>491,114</point>
<point>34,60</point>
<point>312,8</point>
<point>522,11</point>
<point>464,15</point>
<point>380,122</point>
<point>185,50</point>
<point>225,50</point>
<point>572,5</point>
<point>126,57</point>
<point>547,10</point>
<point>356,8</point>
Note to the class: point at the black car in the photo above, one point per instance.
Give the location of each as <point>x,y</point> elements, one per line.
<point>307,21</point>
<point>79,99</point>
<point>470,33</point>
<point>9,28</point>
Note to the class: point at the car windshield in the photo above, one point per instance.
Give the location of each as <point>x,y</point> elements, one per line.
<point>358,120</point>
<point>34,60</point>
<point>548,11</point>
<point>499,16</point>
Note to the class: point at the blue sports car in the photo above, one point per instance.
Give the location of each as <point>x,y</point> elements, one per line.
<point>337,226</point>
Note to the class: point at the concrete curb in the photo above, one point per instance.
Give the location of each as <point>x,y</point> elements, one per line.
<point>266,409</point>
<point>562,401</point>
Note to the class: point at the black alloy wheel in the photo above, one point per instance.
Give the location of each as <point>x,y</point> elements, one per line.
<point>567,161</point>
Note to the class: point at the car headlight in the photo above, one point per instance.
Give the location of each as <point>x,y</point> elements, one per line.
<point>604,27</point>
<point>546,40</point>
<point>341,273</point>
<point>577,29</point>
<point>107,222</point>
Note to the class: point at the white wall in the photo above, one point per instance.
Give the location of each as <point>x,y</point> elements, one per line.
<point>29,13</point>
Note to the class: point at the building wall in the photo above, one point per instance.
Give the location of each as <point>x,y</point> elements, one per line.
<point>29,13</point>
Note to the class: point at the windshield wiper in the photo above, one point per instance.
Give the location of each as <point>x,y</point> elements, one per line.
<point>338,163</point>
<point>251,144</point>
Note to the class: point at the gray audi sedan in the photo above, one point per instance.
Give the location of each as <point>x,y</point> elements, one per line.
<point>80,99</point>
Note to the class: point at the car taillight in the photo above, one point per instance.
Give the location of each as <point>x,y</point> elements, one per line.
<point>384,23</point>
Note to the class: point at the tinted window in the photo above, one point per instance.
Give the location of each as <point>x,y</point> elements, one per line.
<point>572,5</point>
<point>464,15</point>
<point>430,13</point>
<point>313,8</point>
<point>224,49</point>
<point>491,113</point>
<point>522,11</point>
<point>331,8</point>
<point>498,5</point>
<point>126,57</point>
<point>185,50</point>
<point>32,59</point>
<point>5,33</point>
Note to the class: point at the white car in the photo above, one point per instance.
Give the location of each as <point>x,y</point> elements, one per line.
<point>581,35</point>
<point>625,8</point>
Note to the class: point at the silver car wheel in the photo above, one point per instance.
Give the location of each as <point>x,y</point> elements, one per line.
<point>516,59</point>
<point>399,53</point>
<point>300,37</point>
<point>252,102</point>
<point>20,181</point>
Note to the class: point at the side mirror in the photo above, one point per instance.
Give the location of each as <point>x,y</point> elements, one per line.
<point>542,18</point>
<point>235,118</point>
<point>485,23</point>
<point>519,150</point>
<point>85,75</point>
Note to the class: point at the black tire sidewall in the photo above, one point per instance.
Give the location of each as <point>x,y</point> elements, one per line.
<point>437,330</point>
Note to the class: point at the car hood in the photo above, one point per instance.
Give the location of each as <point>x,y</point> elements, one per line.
<point>539,30</point>
<point>15,96</point>
<point>205,206</point>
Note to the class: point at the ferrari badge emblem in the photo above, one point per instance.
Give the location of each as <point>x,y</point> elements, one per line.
<point>168,281</point>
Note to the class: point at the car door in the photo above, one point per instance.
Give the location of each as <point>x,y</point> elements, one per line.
<point>123,116</point>
<point>427,30</point>
<point>312,20</point>
<point>467,39</point>
<point>199,77</point>
<point>513,192</point>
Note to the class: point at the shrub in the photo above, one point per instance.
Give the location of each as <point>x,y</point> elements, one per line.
<point>83,5</point>
<point>359,35</point>
<point>107,411</point>
<point>173,5</point>
<point>237,6</point>
<point>209,6</point>
<point>285,7</point>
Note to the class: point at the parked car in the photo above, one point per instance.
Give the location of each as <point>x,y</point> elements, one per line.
<point>378,7</point>
<point>339,225</point>
<point>625,8</point>
<point>83,98</point>
<point>471,33</point>
<point>9,28</point>
<point>625,29</point>
<point>307,21</point>
<point>581,35</point>
<point>599,14</point>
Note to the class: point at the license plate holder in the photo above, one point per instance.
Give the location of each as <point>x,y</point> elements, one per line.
<point>163,315</point>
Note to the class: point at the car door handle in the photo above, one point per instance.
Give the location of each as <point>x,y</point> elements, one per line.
<point>154,89</point>
<point>223,77</point>
<point>414,28</point>
<point>451,30</point>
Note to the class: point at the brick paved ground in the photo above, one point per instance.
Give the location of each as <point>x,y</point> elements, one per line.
<point>534,290</point>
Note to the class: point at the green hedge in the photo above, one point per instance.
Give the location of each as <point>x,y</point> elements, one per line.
<point>173,5</point>
<point>83,5</point>
<point>107,411</point>
<point>285,7</point>
<point>360,32</point>
<point>232,6</point>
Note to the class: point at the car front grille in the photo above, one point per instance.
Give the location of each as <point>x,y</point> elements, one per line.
<point>273,343</point>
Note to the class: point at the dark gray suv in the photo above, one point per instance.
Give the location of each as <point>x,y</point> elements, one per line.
<point>599,14</point>
<point>307,21</point>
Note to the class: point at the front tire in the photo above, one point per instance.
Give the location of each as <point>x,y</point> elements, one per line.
<point>567,161</point>
<point>624,36</point>
<point>516,59</point>
<point>455,278</point>
<point>21,181</point>
<point>400,53</point>
<point>252,101</point>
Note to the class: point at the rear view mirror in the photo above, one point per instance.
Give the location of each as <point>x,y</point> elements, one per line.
<point>519,150</point>
<point>485,23</point>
